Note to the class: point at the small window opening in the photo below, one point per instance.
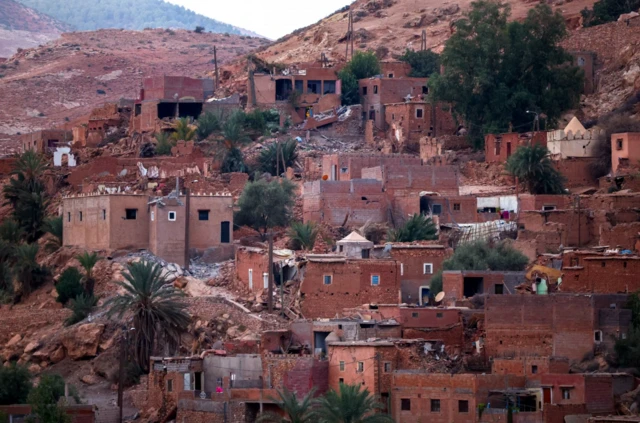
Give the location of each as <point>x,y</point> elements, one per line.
<point>456,206</point>
<point>328,279</point>
<point>439,315</point>
<point>360,368</point>
<point>499,288</point>
<point>597,336</point>
<point>387,367</point>
<point>80,216</point>
<point>619,144</point>
<point>419,113</point>
<point>463,406</point>
<point>534,369</point>
<point>375,89</point>
<point>566,393</point>
<point>364,90</point>
<point>342,366</point>
<point>104,214</point>
<point>405,404</point>
<point>375,280</point>
<point>172,216</point>
<point>131,214</point>
<point>414,315</point>
<point>170,385</point>
<point>203,214</point>
<point>435,405</point>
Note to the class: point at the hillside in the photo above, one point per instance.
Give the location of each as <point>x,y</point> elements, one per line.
<point>90,16</point>
<point>23,27</point>
<point>65,79</point>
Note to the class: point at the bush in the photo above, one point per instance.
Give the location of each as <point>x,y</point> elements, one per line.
<point>362,65</point>
<point>164,145</point>
<point>81,306</point>
<point>233,162</point>
<point>199,30</point>
<point>15,384</point>
<point>303,235</point>
<point>264,205</point>
<point>69,286</point>
<point>417,228</point>
<point>423,63</point>
<point>272,155</point>
<point>207,124</point>
<point>10,231</point>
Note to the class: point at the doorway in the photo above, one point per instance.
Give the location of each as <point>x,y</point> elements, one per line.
<point>473,286</point>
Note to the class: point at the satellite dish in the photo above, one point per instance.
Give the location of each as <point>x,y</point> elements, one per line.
<point>440,297</point>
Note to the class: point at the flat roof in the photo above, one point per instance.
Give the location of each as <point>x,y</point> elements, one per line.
<point>412,246</point>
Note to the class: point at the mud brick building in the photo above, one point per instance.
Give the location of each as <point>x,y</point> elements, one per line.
<point>136,221</point>
<point>529,202</point>
<point>378,91</point>
<point>452,208</point>
<point>625,151</point>
<point>333,283</point>
<point>395,69</point>
<point>565,325</point>
<point>498,148</point>
<point>318,89</point>
<point>586,60</point>
<point>167,97</point>
<point>588,272</point>
<point>458,284</point>
<point>529,366</point>
<point>253,263</point>
<point>345,167</point>
<point>418,263</point>
<point>407,122</point>
<point>45,141</point>
<point>444,324</point>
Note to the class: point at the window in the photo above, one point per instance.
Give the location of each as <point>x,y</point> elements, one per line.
<point>401,269</point>
<point>425,89</point>
<point>427,268</point>
<point>436,209</point>
<point>414,315</point>
<point>390,75</point>
<point>187,382</point>
<point>360,368</point>
<point>68,217</point>
<point>405,404</point>
<point>619,144</point>
<point>170,385</point>
<point>603,264</point>
<point>364,90</point>
<point>342,366</point>
<point>387,366</point>
<point>344,169</point>
<point>298,86</point>
<point>104,214</point>
<point>439,315</point>
<point>329,87</point>
<point>80,216</point>
<point>499,288</point>
<point>172,216</point>
<point>375,280</point>
<point>313,87</point>
<point>419,113</point>
<point>225,232</point>
<point>341,380</point>
<point>341,248</point>
<point>534,369</point>
<point>548,207</point>
<point>328,279</point>
<point>131,214</point>
<point>203,214</point>
<point>375,89</point>
<point>435,405</point>
<point>456,206</point>
<point>153,215</point>
<point>463,406</point>
<point>581,61</point>
<point>597,336</point>
<point>365,253</point>
<point>566,393</point>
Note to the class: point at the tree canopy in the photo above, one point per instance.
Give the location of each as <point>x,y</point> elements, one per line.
<point>607,11</point>
<point>495,71</point>
<point>423,63</point>
<point>89,16</point>
<point>364,64</point>
<point>532,166</point>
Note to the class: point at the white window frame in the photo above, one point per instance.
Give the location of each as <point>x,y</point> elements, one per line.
<point>597,332</point>
<point>251,279</point>
<point>375,276</point>
<point>424,268</point>
<point>175,216</point>
<point>360,367</point>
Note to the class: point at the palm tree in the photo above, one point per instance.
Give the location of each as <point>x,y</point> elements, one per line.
<point>207,123</point>
<point>10,231</point>
<point>28,170</point>
<point>88,261</point>
<point>350,405</point>
<point>532,166</point>
<point>233,137</point>
<point>417,228</point>
<point>80,307</point>
<point>184,131</point>
<point>164,144</point>
<point>271,156</point>
<point>294,410</point>
<point>29,272</point>
<point>155,307</point>
<point>54,227</point>
<point>303,235</point>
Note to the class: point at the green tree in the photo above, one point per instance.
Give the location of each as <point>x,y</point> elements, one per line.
<point>26,194</point>
<point>81,306</point>
<point>273,155</point>
<point>183,130</point>
<point>533,167</point>
<point>424,63</point>
<point>10,231</point>
<point>417,228</point>
<point>481,255</point>
<point>54,227</point>
<point>628,350</point>
<point>155,306</point>
<point>264,205</point>
<point>350,405</point>
<point>295,410</point>
<point>30,274</point>
<point>233,137</point>
<point>607,11</point>
<point>44,400</point>
<point>199,30</point>
<point>164,144</point>
<point>88,261</point>
<point>207,123</point>
<point>15,384</point>
<point>303,235</point>
<point>362,65</point>
<point>6,274</point>
<point>495,70</point>
<point>69,286</point>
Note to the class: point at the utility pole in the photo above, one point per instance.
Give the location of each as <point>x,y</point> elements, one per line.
<point>349,39</point>
<point>252,84</point>
<point>121,371</point>
<point>270,282</point>
<point>186,228</point>
<point>215,65</point>
<point>423,41</point>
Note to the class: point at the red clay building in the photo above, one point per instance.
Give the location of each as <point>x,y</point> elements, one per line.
<point>625,151</point>
<point>407,122</point>
<point>589,272</point>
<point>498,148</point>
<point>45,141</point>
<point>332,283</point>
<point>458,284</point>
<point>345,167</point>
<point>377,92</point>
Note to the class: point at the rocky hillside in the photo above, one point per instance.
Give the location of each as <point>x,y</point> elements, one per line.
<point>63,80</point>
<point>22,27</point>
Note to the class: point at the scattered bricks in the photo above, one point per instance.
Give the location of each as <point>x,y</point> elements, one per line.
<point>332,283</point>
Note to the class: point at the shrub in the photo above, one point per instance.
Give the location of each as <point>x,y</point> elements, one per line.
<point>15,384</point>
<point>69,286</point>
<point>10,231</point>
<point>303,235</point>
<point>274,153</point>
<point>164,145</point>
<point>363,65</point>
<point>81,306</point>
<point>199,30</point>
<point>207,124</point>
<point>417,228</point>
